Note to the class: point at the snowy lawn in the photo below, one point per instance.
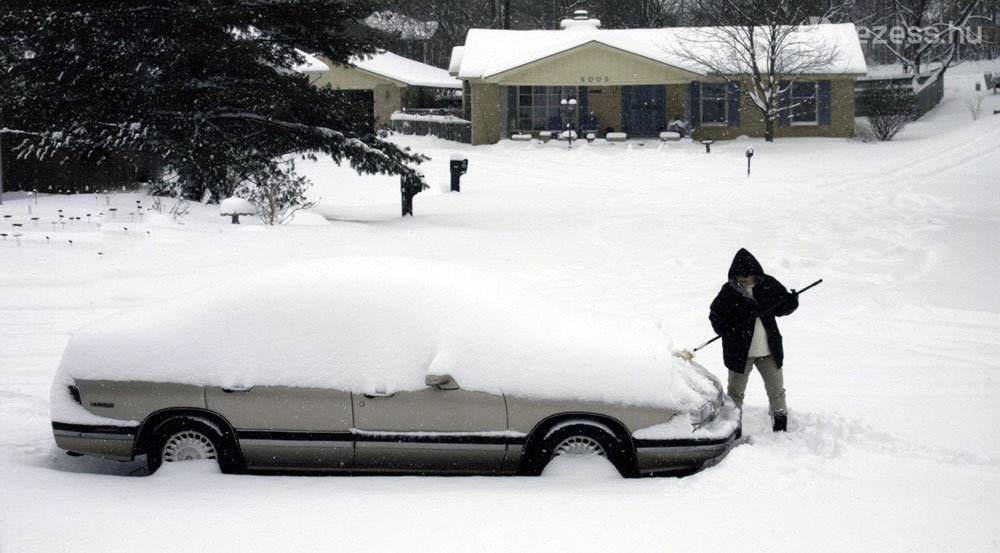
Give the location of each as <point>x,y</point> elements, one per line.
<point>891,364</point>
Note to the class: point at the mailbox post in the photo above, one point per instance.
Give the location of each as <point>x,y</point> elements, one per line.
<point>410,186</point>
<point>749,155</point>
<point>459,166</point>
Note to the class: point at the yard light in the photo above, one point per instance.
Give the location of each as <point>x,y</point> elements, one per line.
<point>569,111</point>
<point>749,155</point>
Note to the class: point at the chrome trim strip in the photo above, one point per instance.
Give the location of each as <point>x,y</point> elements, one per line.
<point>430,445</point>
<point>294,443</point>
<point>681,449</point>
<point>94,435</point>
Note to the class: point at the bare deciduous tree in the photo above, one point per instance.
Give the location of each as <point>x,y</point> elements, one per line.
<point>934,33</point>
<point>761,45</point>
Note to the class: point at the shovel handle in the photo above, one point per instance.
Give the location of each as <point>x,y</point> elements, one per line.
<point>766,310</point>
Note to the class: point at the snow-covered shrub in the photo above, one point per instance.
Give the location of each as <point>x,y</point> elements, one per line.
<point>975,105</point>
<point>888,109</point>
<point>863,131</point>
<point>276,193</point>
<point>168,187</point>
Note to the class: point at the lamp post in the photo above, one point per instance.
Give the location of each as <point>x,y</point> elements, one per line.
<point>749,155</point>
<point>569,110</point>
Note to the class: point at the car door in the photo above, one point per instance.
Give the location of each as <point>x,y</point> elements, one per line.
<point>280,427</point>
<point>430,430</point>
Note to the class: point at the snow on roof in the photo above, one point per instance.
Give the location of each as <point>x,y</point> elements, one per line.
<point>405,26</point>
<point>489,52</point>
<point>382,325</point>
<point>405,70</point>
<point>311,64</point>
<point>456,60</point>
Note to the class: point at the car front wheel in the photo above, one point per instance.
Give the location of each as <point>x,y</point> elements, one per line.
<point>586,440</point>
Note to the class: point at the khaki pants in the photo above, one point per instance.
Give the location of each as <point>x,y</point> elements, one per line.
<point>774,383</point>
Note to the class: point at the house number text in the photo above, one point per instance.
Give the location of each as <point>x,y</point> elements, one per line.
<point>595,79</point>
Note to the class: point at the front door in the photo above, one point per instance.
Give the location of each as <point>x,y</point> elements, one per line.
<point>644,110</point>
<point>432,429</point>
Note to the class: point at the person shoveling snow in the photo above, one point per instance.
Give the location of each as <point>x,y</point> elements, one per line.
<point>749,332</point>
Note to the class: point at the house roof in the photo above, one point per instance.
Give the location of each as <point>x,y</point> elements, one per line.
<point>405,70</point>
<point>489,52</point>
<point>310,64</point>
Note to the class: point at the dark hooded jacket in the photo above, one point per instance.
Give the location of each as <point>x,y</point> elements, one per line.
<point>733,312</point>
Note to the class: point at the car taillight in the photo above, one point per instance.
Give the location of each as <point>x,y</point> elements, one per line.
<point>74,393</point>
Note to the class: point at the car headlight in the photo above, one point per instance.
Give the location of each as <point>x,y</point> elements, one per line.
<point>713,401</point>
<point>706,414</point>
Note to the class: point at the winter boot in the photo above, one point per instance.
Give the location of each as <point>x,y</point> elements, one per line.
<point>780,420</point>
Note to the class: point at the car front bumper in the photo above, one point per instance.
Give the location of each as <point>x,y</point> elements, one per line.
<point>674,454</point>
<point>655,457</point>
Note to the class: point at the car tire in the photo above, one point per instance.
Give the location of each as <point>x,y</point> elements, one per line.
<point>585,439</point>
<point>190,438</point>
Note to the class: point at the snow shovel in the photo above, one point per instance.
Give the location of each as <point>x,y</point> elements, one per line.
<point>689,355</point>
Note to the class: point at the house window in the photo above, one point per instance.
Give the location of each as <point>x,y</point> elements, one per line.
<point>713,103</point>
<point>538,107</point>
<point>804,97</point>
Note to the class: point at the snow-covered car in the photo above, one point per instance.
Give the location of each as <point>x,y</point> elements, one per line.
<point>381,365</point>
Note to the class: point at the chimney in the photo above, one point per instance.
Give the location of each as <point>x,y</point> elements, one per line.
<point>580,20</point>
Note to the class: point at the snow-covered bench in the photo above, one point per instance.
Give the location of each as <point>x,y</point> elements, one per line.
<point>521,137</point>
<point>616,137</point>
<point>670,136</point>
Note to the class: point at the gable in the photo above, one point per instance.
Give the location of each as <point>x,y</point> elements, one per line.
<point>593,64</point>
<point>352,78</point>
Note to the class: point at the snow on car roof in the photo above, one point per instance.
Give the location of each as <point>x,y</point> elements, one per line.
<point>382,325</point>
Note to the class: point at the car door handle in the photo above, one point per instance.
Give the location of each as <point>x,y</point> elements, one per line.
<point>378,394</point>
<point>237,389</point>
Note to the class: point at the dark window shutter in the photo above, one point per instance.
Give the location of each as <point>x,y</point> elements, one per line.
<point>583,109</point>
<point>784,100</point>
<point>733,104</point>
<point>825,102</point>
<point>694,103</point>
<point>512,122</point>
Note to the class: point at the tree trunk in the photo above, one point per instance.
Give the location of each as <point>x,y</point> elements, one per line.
<point>768,129</point>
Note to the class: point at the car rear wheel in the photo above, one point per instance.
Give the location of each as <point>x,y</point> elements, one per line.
<point>187,445</point>
<point>189,439</point>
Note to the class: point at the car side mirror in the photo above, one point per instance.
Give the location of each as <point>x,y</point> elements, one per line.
<point>441,381</point>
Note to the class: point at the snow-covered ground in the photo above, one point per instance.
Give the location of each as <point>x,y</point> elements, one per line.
<point>891,364</point>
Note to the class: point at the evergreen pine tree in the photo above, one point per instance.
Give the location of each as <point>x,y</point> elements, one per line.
<point>205,86</point>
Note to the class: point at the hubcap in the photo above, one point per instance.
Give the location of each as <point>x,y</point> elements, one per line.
<point>579,445</point>
<point>188,446</point>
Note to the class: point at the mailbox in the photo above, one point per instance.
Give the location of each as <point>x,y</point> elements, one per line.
<point>459,166</point>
